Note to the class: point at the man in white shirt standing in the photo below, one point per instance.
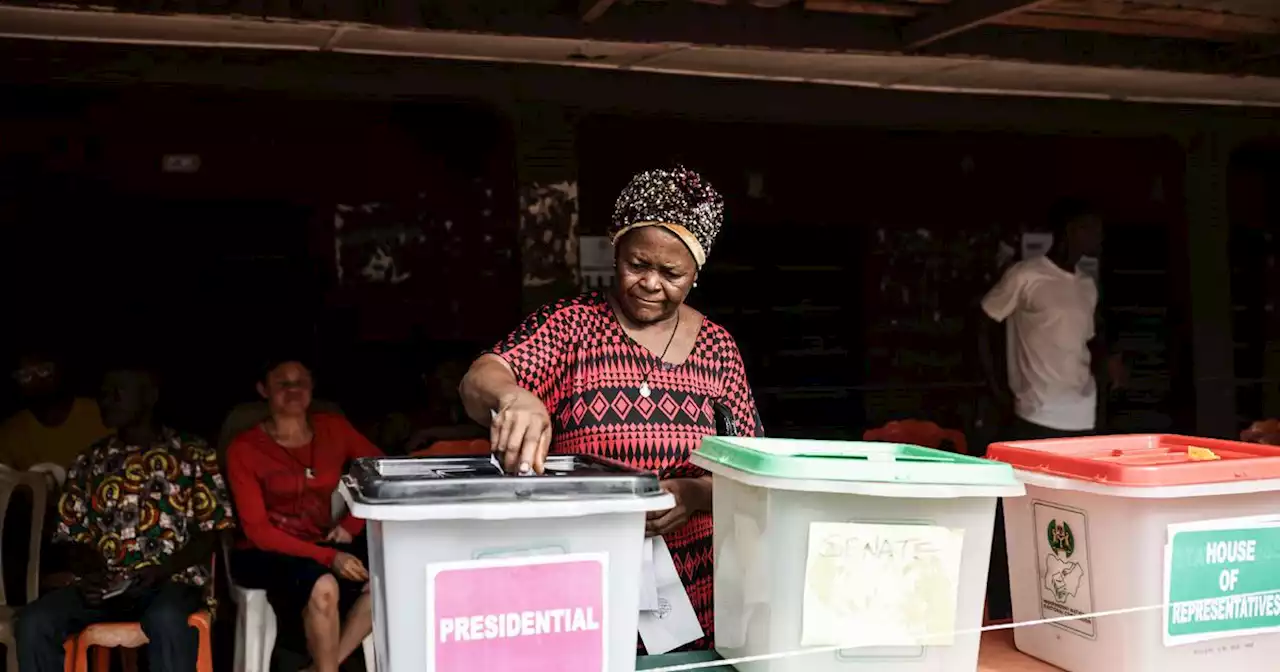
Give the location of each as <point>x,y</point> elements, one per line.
<point>1048,306</point>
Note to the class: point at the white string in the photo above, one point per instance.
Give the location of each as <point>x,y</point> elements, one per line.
<point>990,628</point>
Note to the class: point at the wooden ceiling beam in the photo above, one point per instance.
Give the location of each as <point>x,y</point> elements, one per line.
<point>1182,31</point>
<point>866,7</point>
<point>1249,53</point>
<point>732,25</point>
<point>959,16</point>
<point>593,9</point>
<point>1090,15</point>
<point>1224,22</point>
<point>790,28</point>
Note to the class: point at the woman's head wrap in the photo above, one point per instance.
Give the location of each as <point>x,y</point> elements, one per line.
<point>678,200</point>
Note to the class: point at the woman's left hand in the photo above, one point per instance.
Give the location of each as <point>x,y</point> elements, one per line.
<point>691,494</point>
<point>339,535</point>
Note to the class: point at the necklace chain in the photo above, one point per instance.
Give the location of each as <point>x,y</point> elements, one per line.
<point>662,359</point>
<point>308,469</point>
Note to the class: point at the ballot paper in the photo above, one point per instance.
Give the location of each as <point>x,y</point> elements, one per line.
<point>674,623</point>
<point>493,457</point>
<point>648,581</point>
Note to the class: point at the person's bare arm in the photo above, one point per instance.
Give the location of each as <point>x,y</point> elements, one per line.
<point>508,389</point>
<point>988,337</point>
<point>519,425</point>
<point>998,305</point>
<point>487,382</point>
<point>1108,360</point>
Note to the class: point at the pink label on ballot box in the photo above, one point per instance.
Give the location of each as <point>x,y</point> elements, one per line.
<point>531,614</point>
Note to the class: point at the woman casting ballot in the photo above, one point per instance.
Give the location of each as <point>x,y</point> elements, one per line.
<point>634,375</point>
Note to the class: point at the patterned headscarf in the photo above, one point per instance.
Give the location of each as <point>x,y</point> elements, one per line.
<point>678,200</point>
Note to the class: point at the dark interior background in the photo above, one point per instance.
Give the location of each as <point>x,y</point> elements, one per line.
<point>849,268</point>
<point>1254,189</point>
<point>104,253</point>
<point>851,277</point>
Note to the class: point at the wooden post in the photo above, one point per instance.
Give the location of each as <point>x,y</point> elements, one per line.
<point>547,171</point>
<point>1208,235</point>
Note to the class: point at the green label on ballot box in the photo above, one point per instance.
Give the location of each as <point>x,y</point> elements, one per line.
<point>1221,580</point>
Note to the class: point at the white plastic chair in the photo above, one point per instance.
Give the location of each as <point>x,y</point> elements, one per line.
<point>11,480</point>
<point>55,473</point>
<point>256,624</point>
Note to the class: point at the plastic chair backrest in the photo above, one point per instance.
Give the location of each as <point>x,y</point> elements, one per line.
<point>227,544</point>
<point>56,473</point>
<point>337,505</point>
<point>920,433</point>
<point>455,448</point>
<point>10,481</point>
<point>246,416</point>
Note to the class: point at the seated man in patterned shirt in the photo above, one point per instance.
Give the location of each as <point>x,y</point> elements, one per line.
<point>139,518</point>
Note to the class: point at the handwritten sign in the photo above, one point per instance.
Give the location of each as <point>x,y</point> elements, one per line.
<point>881,585</point>
<point>539,614</point>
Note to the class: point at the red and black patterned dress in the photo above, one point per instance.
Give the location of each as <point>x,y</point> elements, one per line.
<point>575,356</point>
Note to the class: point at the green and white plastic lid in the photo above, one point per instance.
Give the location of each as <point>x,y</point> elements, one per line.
<point>824,464</point>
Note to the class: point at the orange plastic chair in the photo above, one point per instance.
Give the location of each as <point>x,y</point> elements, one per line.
<point>455,449</point>
<point>128,637</point>
<point>102,637</point>
<point>920,433</point>
<point>69,651</point>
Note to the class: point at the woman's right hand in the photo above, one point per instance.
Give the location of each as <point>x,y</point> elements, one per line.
<point>349,567</point>
<point>520,432</point>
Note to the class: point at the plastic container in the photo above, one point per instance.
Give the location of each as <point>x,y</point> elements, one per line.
<point>474,570</point>
<point>772,497</point>
<point>1093,535</point>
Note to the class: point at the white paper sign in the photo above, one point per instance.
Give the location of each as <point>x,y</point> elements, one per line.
<point>674,623</point>
<point>1089,266</point>
<point>881,585</point>
<point>1220,582</point>
<point>1063,570</point>
<point>1036,244</point>
<point>595,262</point>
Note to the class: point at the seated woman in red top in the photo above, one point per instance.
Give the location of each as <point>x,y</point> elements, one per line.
<point>283,474</point>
